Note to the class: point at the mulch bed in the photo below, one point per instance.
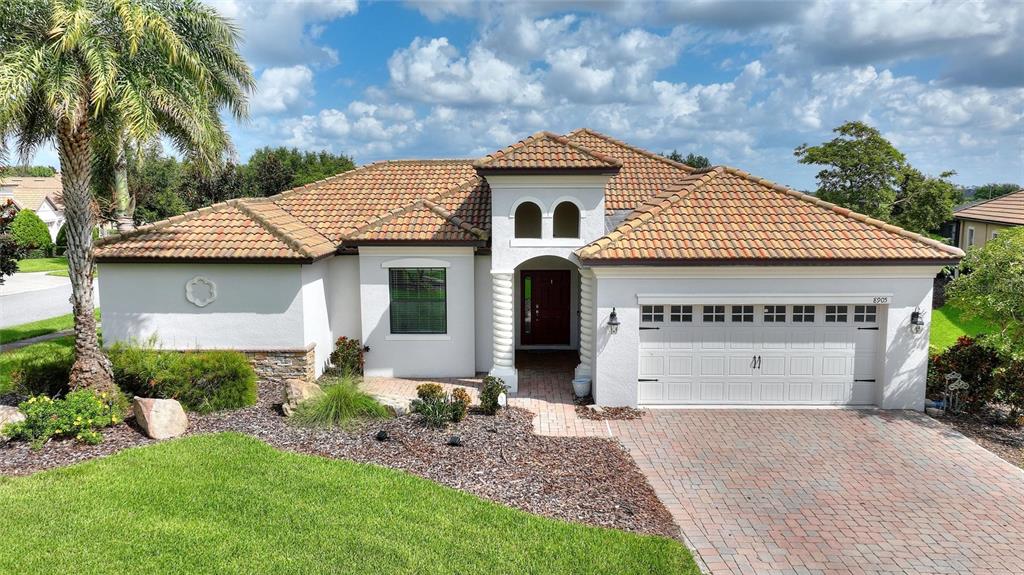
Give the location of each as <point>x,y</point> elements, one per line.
<point>609,413</point>
<point>1003,439</point>
<point>588,480</point>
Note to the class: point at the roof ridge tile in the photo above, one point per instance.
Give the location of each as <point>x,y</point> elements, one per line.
<point>637,149</point>
<point>276,230</point>
<point>511,150</point>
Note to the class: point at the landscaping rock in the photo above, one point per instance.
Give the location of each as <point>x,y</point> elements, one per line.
<point>9,414</point>
<point>160,418</point>
<point>395,405</point>
<point>296,391</point>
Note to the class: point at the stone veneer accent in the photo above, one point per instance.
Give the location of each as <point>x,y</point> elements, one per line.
<point>277,365</point>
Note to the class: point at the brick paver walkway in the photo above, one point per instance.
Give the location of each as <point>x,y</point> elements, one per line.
<point>804,491</point>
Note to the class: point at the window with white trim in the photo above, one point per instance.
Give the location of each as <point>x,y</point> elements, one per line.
<point>865,313</point>
<point>836,313</point>
<point>680,313</point>
<point>775,314</point>
<point>743,313</point>
<point>652,313</point>
<point>803,314</point>
<point>418,300</point>
<point>714,313</point>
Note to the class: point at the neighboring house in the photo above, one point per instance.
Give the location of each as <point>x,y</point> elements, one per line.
<point>676,286</point>
<point>978,222</point>
<point>40,195</point>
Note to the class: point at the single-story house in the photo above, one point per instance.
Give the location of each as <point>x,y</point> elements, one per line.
<point>978,222</point>
<point>37,194</point>
<point>676,286</point>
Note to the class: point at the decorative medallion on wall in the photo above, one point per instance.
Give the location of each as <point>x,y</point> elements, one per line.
<point>200,291</point>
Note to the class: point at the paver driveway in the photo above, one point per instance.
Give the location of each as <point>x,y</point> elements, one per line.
<point>831,491</point>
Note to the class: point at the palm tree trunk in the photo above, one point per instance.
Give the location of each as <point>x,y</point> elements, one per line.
<point>91,368</point>
<point>122,198</point>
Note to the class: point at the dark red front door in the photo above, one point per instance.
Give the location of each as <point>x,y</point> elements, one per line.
<point>544,307</point>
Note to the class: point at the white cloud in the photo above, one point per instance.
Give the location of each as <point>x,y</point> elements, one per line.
<point>283,90</point>
<point>434,71</point>
<point>280,33</point>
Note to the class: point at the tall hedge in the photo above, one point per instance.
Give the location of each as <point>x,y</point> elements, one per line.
<point>30,232</point>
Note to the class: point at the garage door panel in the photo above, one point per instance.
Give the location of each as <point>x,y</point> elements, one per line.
<point>801,365</point>
<point>741,338</point>
<point>712,365</point>
<point>772,392</point>
<point>679,392</point>
<point>741,365</point>
<point>759,363</point>
<point>712,338</point>
<point>712,391</point>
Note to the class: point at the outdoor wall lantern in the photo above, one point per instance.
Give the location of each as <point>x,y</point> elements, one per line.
<point>916,321</point>
<point>613,322</point>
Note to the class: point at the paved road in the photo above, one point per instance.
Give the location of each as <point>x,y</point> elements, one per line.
<point>29,297</point>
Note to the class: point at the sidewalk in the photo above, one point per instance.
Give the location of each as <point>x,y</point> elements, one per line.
<point>29,282</point>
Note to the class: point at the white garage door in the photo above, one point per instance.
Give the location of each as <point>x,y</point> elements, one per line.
<point>758,354</point>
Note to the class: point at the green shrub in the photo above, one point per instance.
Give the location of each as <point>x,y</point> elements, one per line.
<point>429,391</point>
<point>347,357</point>
<point>202,381</point>
<point>489,394</point>
<point>1009,381</point>
<point>30,232</point>
<point>80,414</point>
<point>342,405</point>
<point>975,363</point>
<point>39,374</point>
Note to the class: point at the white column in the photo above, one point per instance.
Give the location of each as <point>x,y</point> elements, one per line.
<point>585,368</point>
<point>504,329</point>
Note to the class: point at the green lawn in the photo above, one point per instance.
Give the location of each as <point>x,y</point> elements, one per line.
<point>37,328</point>
<point>228,503</point>
<point>43,265</point>
<point>9,359</point>
<point>948,325</point>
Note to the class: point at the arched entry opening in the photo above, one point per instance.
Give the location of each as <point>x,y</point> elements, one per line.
<point>547,304</point>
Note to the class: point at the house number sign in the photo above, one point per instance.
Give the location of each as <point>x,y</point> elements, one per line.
<point>200,291</point>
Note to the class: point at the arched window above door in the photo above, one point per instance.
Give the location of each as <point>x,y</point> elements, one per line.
<point>528,220</point>
<point>566,220</point>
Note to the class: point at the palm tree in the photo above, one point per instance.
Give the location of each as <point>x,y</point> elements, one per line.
<point>82,72</point>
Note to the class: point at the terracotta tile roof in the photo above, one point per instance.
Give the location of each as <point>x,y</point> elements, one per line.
<point>338,206</point>
<point>726,215</point>
<point>546,151</point>
<point>230,230</point>
<point>643,173</point>
<point>424,220</point>
<point>29,192</point>
<point>1008,209</point>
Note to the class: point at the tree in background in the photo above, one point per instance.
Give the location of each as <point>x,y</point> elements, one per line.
<point>30,232</point>
<point>866,173</point>
<point>923,203</point>
<point>991,288</point>
<point>10,251</point>
<point>27,171</point>
<point>78,71</point>
<point>199,188</point>
<point>691,159</point>
<point>989,191</point>
<point>273,170</point>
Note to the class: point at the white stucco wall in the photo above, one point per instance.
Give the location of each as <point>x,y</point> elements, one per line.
<point>905,354</point>
<point>52,217</point>
<point>316,325</point>
<point>258,306</point>
<point>404,355</point>
<point>483,320</point>
<point>507,192</point>
<point>343,296</point>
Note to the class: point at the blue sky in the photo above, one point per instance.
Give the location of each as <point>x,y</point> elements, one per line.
<point>742,82</point>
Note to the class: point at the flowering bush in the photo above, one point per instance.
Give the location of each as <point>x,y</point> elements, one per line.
<point>80,414</point>
<point>975,362</point>
<point>347,356</point>
<point>429,391</point>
